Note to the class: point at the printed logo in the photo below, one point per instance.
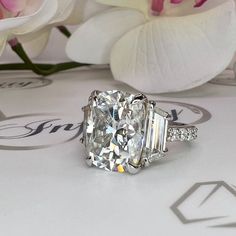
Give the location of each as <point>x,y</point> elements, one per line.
<point>228,77</point>
<point>36,131</point>
<point>211,202</point>
<point>23,83</point>
<point>185,113</point>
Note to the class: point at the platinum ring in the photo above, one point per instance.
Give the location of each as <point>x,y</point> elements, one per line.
<point>125,132</point>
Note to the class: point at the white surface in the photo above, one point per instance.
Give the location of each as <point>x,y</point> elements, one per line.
<point>51,191</point>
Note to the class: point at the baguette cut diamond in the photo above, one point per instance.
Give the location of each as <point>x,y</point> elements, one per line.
<point>114,129</point>
<point>156,133</point>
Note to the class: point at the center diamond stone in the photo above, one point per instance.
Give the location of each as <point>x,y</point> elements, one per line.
<point>114,129</point>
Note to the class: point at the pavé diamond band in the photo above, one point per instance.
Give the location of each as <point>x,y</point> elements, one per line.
<point>124,132</point>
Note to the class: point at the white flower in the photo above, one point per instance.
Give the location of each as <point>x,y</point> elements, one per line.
<point>182,48</point>
<point>31,21</point>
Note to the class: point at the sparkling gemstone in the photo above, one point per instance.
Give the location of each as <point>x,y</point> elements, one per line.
<point>114,129</point>
<point>155,133</point>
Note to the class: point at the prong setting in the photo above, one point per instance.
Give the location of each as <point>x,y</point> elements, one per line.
<point>89,161</point>
<point>82,140</point>
<point>132,169</point>
<point>95,93</point>
<point>140,97</point>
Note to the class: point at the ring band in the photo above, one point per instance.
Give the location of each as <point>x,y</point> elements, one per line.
<point>124,132</point>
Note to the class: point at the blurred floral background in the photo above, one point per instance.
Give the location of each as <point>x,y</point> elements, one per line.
<point>154,46</point>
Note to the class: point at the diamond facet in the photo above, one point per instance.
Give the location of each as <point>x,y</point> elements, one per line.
<point>114,129</point>
<point>155,134</point>
<point>182,134</point>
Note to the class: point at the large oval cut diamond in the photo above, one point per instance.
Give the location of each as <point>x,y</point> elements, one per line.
<point>114,129</point>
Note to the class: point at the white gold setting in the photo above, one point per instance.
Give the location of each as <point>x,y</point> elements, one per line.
<point>124,132</point>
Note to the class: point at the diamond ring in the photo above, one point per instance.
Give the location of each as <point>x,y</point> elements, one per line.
<point>125,132</point>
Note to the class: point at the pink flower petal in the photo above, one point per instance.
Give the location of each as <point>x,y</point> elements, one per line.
<point>13,5</point>
<point>1,14</point>
<point>157,6</point>
<point>176,1</point>
<point>199,3</point>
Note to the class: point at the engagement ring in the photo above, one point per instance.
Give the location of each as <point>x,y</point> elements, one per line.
<point>125,132</point>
